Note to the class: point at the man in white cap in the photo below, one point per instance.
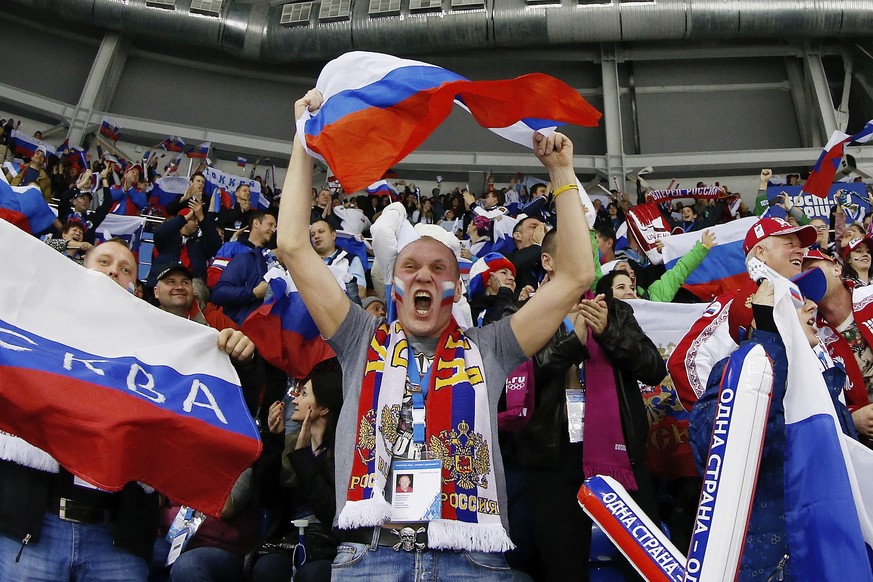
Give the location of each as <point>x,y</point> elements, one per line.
<point>775,243</point>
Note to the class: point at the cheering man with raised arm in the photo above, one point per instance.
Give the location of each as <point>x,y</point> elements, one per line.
<point>420,394</point>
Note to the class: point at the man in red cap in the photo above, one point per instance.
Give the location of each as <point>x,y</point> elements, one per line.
<point>779,246</point>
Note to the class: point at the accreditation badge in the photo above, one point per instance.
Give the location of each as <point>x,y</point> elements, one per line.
<point>414,491</point>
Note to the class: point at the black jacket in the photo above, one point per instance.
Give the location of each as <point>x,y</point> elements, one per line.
<point>168,246</point>
<point>26,495</point>
<point>634,357</point>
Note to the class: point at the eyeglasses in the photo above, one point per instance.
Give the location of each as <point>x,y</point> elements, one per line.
<point>822,228</point>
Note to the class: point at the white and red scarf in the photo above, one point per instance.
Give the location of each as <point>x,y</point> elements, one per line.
<point>458,432</point>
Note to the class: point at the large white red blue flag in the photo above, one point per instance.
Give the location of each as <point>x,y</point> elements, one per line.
<point>25,207</point>
<point>283,330</point>
<point>379,108</point>
<point>827,474</point>
<point>822,175</point>
<point>113,388</point>
<point>26,145</point>
<point>724,268</point>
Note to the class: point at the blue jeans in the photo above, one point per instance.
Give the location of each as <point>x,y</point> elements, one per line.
<point>69,551</point>
<point>207,565</point>
<point>368,562</point>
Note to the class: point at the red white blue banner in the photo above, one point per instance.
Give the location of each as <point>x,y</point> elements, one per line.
<point>379,108</point>
<point>113,388</point>
<point>724,268</point>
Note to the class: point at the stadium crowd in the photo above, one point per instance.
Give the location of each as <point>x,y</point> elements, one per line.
<point>509,272</point>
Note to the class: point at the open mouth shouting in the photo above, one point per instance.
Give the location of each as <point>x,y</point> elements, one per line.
<point>423,302</point>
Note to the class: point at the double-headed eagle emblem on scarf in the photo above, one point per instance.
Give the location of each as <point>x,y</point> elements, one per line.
<point>464,455</point>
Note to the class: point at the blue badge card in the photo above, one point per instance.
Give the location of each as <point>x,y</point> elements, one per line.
<point>414,490</point>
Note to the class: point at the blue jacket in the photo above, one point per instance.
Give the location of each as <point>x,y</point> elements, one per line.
<point>168,247</point>
<point>766,539</point>
<point>234,289</point>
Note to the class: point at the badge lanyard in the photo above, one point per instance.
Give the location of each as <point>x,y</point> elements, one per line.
<point>419,387</point>
<point>569,324</point>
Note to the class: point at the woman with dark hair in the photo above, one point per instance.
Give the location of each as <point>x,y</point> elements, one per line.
<point>317,402</point>
<point>424,214</point>
<point>620,356</point>
<point>856,261</point>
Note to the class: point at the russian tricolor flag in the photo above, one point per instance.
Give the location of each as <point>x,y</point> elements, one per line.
<point>283,330</point>
<point>827,510</point>
<point>128,228</point>
<point>25,207</point>
<point>353,244</point>
<point>382,188</point>
<point>379,108</point>
<point>724,268</point>
<point>822,175</point>
<point>173,144</point>
<point>109,130</point>
<point>166,189</point>
<point>241,161</point>
<point>25,145</point>
<point>113,388</point>
<point>200,151</point>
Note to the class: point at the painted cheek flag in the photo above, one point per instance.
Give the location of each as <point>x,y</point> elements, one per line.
<point>378,108</point>
<point>109,130</point>
<point>827,474</point>
<point>25,145</point>
<point>201,151</point>
<point>25,207</point>
<point>111,412</point>
<point>724,268</point>
<point>283,330</point>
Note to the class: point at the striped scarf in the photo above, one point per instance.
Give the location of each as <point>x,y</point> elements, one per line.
<point>458,432</point>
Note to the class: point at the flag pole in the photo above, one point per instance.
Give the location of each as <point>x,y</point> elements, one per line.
<point>190,163</point>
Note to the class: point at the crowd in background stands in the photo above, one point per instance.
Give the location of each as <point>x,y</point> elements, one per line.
<point>230,252</point>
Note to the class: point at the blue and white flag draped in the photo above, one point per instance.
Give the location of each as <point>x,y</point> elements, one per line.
<point>827,518</point>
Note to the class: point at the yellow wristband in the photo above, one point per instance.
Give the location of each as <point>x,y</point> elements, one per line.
<point>563,189</point>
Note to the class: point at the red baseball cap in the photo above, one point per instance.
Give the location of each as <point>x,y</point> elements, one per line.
<point>767,227</point>
<point>853,244</point>
<point>817,255</point>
